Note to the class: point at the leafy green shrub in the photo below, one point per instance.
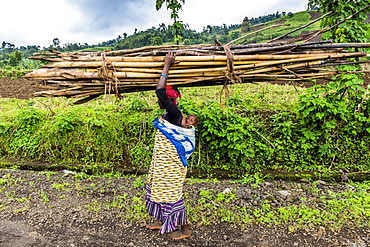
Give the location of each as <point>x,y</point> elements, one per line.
<point>138,105</point>
<point>332,123</point>
<point>19,74</point>
<point>187,42</point>
<point>24,138</point>
<point>8,67</point>
<point>229,140</point>
<point>66,121</point>
<point>102,135</point>
<point>9,74</point>
<point>342,106</point>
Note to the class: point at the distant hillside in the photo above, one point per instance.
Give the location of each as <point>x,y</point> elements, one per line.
<point>163,34</point>
<point>224,33</point>
<point>294,21</point>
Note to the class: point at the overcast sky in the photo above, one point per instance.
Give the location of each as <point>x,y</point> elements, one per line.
<point>38,22</point>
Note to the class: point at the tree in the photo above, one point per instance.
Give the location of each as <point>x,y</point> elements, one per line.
<point>354,29</point>
<point>162,27</point>
<point>56,42</point>
<point>174,6</point>
<point>246,25</point>
<point>156,40</point>
<point>7,47</point>
<point>15,58</point>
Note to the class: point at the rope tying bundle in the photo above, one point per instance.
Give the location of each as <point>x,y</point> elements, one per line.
<point>230,74</point>
<point>108,76</point>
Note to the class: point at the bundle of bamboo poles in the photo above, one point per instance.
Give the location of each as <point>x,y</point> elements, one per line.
<point>91,74</point>
<point>88,75</point>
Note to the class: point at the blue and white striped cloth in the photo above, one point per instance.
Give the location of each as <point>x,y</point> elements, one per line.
<point>182,138</point>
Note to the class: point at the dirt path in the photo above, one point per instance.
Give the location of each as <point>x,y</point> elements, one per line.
<point>64,209</point>
<point>18,234</point>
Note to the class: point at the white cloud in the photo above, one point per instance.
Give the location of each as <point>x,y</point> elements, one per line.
<point>38,22</point>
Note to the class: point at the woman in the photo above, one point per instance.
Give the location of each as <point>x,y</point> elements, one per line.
<point>174,143</point>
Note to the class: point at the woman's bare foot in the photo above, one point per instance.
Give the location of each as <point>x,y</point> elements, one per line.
<point>180,234</point>
<point>154,226</point>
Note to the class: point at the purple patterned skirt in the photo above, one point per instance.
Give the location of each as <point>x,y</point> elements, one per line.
<point>170,214</point>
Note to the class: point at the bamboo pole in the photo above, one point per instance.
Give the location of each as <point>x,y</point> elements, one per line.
<point>185,58</point>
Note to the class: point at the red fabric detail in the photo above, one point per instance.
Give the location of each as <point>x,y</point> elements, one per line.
<point>172,93</point>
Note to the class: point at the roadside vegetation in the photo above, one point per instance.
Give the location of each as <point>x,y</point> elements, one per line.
<point>13,72</point>
<point>318,132</point>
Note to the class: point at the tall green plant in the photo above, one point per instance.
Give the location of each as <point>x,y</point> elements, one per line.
<point>329,111</point>
<point>230,138</point>
<point>174,6</point>
<point>24,141</point>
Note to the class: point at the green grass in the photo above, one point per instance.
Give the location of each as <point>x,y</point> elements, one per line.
<point>97,49</point>
<point>297,20</point>
<point>342,209</point>
<point>260,96</point>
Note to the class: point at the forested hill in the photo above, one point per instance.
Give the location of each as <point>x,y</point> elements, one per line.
<point>225,33</point>
<point>164,34</point>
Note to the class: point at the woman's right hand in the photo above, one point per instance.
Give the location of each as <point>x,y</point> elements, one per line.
<point>169,60</point>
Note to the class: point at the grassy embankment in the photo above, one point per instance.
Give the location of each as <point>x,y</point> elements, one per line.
<point>257,131</point>
<point>115,134</point>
